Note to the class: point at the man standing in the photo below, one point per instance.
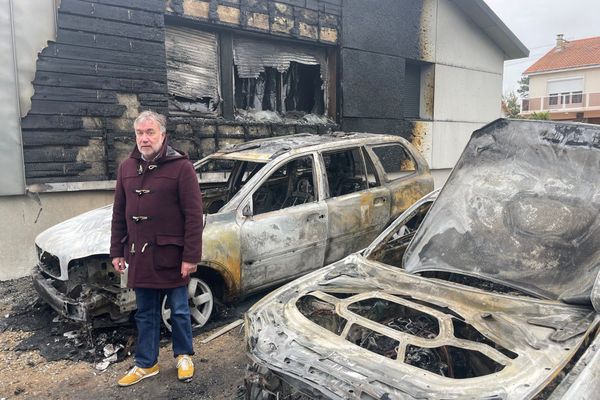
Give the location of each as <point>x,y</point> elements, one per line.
<point>157,230</point>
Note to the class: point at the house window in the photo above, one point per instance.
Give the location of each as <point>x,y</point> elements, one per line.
<point>560,90</point>
<point>278,77</point>
<point>577,97</point>
<point>192,71</point>
<point>418,90</point>
<point>412,90</point>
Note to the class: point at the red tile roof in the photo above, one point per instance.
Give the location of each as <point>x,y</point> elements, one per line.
<point>575,53</point>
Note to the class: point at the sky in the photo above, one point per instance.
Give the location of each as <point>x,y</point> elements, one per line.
<point>536,23</point>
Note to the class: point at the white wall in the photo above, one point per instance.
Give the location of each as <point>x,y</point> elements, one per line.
<point>25,26</point>
<point>23,218</point>
<point>35,25</point>
<point>468,81</point>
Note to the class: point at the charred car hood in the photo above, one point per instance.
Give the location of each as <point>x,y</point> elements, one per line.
<point>81,236</point>
<point>359,329</point>
<point>521,208</point>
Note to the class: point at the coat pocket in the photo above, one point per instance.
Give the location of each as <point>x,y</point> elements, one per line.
<point>168,251</point>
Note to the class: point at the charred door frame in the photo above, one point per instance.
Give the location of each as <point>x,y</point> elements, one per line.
<point>312,217</point>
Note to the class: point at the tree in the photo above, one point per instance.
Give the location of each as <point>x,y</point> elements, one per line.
<point>543,115</point>
<point>510,105</point>
<point>523,89</point>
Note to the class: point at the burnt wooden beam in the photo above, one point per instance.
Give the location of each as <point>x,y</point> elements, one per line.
<point>157,6</point>
<point>111,13</point>
<point>71,52</point>
<point>84,109</point>
<point>95,25</point>
<point>95,82</point>
<point>227,80</point>
<point>73,94</point>
<point>52,169</point>
<point>51,154</point>
<point>57,138</point>
<point>51,64</point>
<point>51,122</point>
<point>110,42</point>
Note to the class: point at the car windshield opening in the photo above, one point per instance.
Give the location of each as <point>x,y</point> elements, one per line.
<point>220,179</point>
<point>478,283</point>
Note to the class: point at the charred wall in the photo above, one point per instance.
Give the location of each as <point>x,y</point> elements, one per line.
<point>108,63</point>
<point>379,36</point>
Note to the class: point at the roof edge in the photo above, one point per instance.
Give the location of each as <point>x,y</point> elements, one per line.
<point>562,69</point>
<point>493,26</point>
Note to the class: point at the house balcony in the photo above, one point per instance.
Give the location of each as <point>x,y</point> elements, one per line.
<point>574,105</point>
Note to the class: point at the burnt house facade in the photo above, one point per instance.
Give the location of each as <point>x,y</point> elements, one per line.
<point>227,71</point>
<point>223,71</point>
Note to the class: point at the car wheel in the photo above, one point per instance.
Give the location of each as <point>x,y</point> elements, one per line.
<point>201,301</point>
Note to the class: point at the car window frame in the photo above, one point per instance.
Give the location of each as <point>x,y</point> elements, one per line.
<point>379,176</point>
<point>247,204</point>
<point>376,160</point>
<point>360,149</point>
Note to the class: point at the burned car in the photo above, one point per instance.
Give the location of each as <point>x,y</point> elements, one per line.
<point>495,296</point>
<point>276,209</point>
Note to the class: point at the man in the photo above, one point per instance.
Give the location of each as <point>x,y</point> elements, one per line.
<point>157,230</point>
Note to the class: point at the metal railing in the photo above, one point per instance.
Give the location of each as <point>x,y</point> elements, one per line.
<point>564,102</point>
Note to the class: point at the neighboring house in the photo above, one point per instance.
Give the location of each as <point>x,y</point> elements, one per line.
<point>565,82</point>
<point>227,71</point>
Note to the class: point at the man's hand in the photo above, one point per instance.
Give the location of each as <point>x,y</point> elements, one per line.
<point>119,264</point>
<point>187,268</point>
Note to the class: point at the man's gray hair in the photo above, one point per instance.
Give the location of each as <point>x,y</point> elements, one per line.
<point>160,119</point>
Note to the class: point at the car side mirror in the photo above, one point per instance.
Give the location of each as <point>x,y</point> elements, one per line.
<point>247,211</point>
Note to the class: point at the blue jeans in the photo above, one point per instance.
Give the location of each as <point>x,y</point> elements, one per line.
<point>148,319</point>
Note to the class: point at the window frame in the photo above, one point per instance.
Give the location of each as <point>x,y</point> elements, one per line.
<point>226,73</point>
<point>378,175</point>
<point>376,160</point>
<point>248,202</point>
<point>577,97</point>
<point>360,149</point>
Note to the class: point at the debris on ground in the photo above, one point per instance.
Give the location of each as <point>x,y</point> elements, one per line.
<point>223,330</point>
<point>39,361</point>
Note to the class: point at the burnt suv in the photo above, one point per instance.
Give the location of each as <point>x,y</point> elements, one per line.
<point>494,296</point>
<point>276,209</point>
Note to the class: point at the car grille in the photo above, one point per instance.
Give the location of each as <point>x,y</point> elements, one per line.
<point>49,263</point>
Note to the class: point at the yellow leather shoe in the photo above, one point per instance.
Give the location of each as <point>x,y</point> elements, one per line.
<point>185,368</point>
<point>136,374</point>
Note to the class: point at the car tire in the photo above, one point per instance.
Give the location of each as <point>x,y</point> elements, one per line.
<point>201,301</point>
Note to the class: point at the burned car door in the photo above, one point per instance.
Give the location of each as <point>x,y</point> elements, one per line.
<point>285,235</point>
<point>401,174</point>
<point>358,206</point>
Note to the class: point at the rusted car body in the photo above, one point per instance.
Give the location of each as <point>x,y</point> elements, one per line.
<point>276,209</point>
<point>496,295</point>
